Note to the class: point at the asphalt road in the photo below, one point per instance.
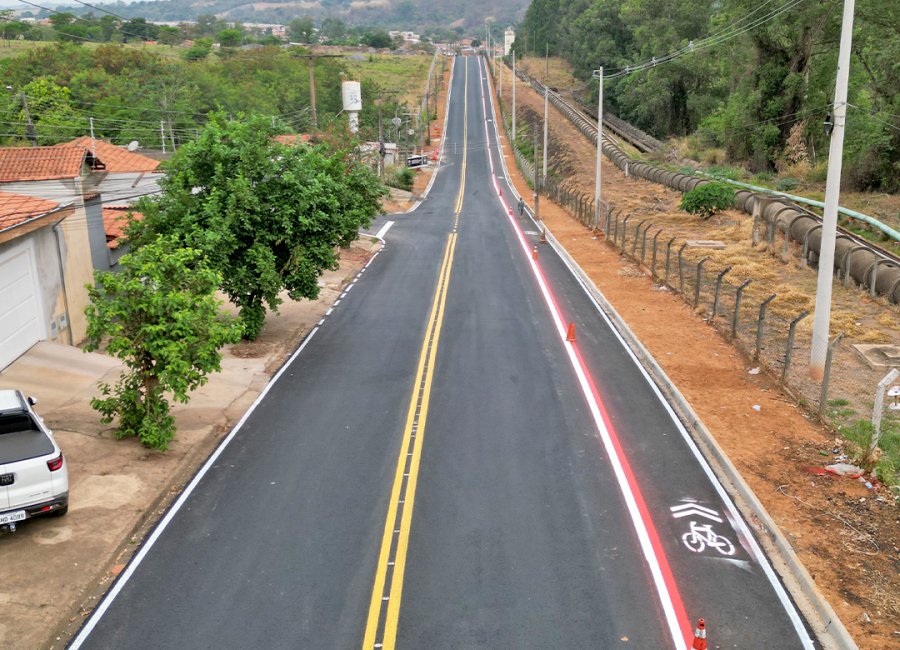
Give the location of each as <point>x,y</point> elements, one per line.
<point>439,468</point>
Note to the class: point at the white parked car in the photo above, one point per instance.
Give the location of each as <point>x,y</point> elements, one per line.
<point>33,476</point>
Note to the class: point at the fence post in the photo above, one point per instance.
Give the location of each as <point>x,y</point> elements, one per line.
<point>737,308</point>
<point>877,412</point>
<point>823,396</point>
<point>624,233</point>
<point>644,242</point>
<point>681,269</point>
<point>637,233</point>
<point>653,263</point>
<point>608,217</point>
<point>789,352</point>
<point>718,289</point>
<point>668,255</point>
<point>615,238</point>
<point>699,280</point>
<point>761,324</point>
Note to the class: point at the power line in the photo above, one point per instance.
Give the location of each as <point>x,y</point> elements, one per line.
<point>725,34</point>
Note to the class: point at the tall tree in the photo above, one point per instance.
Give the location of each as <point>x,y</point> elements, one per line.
<point>268,217</point>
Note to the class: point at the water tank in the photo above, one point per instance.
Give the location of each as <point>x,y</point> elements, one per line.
<point>352,96</point>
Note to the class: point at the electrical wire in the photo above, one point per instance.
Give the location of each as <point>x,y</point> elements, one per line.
<point>725,34</point>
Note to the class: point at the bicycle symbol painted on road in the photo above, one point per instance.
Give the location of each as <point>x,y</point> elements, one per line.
<point>699,537</point>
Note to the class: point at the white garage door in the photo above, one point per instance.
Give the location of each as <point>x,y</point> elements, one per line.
<point>20,320</point>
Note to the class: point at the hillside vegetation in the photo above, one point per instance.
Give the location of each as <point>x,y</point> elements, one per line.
<point>756,93</point>
<point>129,91</point>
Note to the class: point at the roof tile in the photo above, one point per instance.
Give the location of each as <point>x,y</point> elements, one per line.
<point>17,208</point>
<point>118,160</point>
<point>40,163</point>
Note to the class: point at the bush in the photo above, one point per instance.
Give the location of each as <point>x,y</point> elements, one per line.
<point>400,177</point>
<point>786,184</point>
<point>707,200</point>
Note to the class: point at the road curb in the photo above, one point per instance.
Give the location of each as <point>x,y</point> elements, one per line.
<point>825,624</point>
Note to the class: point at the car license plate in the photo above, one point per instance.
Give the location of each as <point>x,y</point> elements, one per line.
<point>10,517</point>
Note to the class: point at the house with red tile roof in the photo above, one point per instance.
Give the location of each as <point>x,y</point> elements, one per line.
<point>45,264</point>
<point>126,176</point>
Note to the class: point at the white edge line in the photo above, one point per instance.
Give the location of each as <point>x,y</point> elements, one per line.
<point>101,609</point>
<point>783,597</point>
<point>440,159</point>
<point>133,564</point>
<point>381,233</point>
<point>640,527</point>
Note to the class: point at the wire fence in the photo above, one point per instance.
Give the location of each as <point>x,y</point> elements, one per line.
<point>777,338</point>
<point>775,335</point>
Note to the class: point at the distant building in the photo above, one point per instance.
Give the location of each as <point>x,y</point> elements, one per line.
<point>509,37</point>
<point>408,37</point>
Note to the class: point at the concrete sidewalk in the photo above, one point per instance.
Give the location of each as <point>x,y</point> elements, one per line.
<point>54,570</point>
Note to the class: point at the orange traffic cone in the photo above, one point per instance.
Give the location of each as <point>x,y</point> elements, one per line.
<point>534,252</point>
<point>510,212</point>
<point>699,636</point>
<point>570,337</point>
<point>434,154</point>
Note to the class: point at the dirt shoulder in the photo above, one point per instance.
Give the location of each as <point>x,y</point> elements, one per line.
<point>845,535</point>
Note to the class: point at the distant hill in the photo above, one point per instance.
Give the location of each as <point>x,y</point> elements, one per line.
<point>391,14</point>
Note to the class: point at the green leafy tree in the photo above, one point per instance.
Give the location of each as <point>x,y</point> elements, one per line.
<point>301,30</point>
<point>267,217</point>
<point>51,110</point>
<point>378,39</point>
<point>160,316</point>
<point>199,50</point>
<point>230,37</point>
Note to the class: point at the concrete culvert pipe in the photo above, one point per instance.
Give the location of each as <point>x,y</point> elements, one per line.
<point>798,223</point>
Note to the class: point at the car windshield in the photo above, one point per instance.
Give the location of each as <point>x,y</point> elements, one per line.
<point>21,439</point>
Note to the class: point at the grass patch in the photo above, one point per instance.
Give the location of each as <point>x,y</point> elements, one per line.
<point>392,72</point>
<point>858,432</point>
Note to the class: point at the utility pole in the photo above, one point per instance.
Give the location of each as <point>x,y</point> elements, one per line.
<point>93,146</point>
<point>822,315</point>
<point>162,134</point>
<point>311,58</point>
<point>546,98</point>
<point>537,184</point>
<point>30,133</point>
<point>598,74</point>
<point>514,98</point>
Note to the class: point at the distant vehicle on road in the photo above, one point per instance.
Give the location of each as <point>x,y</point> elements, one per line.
<point>418,160</point>
<point>34,480</point>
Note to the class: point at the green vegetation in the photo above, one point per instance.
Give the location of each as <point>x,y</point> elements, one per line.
<point>267,217</point>
<point>160,316</point>
<point>758,99</point>
<point>858,431</point>
<point>707,200</point>
<point>130,90</point>
<point>400,177</point>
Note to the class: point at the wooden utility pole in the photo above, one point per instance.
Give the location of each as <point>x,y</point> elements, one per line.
<point>311,58</point>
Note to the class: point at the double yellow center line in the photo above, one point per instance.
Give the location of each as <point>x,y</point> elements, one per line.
<point>387,591</point>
